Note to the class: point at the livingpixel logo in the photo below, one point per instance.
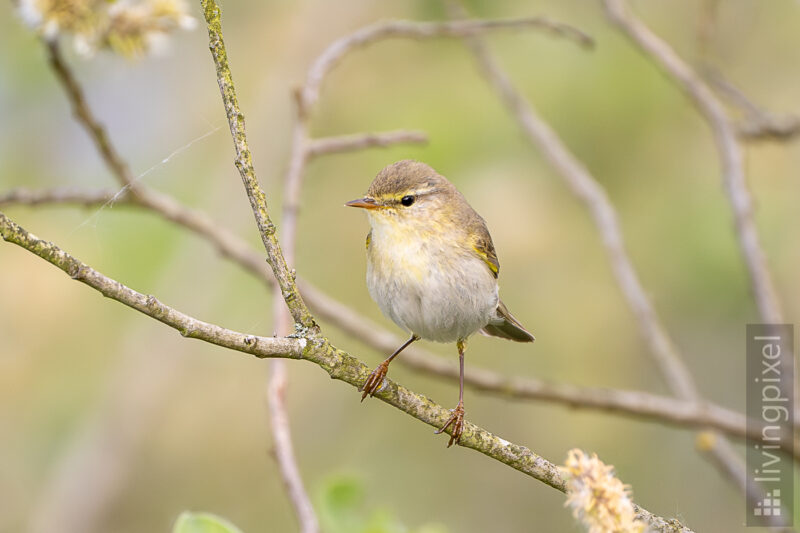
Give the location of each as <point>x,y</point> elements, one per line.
<point>770,414</point>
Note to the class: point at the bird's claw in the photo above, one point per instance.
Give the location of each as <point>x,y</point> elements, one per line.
<point>374,381</point>
<point>457,421</point>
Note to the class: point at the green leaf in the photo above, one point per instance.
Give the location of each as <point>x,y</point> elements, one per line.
<point>189,522</point>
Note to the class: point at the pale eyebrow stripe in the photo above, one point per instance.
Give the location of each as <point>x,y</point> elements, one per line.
<point>417,194</point>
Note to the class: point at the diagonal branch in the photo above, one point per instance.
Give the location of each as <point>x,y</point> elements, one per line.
<point>730,154</point>
<point>278,377</point>
<point>337,50</point>
<point>338,364</point>
<point>244,162</point>
<point>84,116</point>
<point>187,326</point>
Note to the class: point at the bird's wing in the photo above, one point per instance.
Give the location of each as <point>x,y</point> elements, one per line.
<point>483,246</point>
<point>369,239</point>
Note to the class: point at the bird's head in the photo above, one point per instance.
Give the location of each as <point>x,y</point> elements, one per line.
<point>409,192</point>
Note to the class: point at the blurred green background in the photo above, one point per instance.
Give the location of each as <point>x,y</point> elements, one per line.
<point>183,424</point>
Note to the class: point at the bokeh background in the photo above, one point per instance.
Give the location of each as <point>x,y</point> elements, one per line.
<point>183,424</point>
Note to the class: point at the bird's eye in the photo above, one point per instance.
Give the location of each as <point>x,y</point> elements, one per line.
<point>407,200</point>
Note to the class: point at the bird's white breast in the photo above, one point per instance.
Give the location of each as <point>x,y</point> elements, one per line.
<point>427,284</point>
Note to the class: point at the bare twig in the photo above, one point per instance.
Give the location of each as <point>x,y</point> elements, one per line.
<point>758,124</point>
<point>338,364</point>
<point>244,163</point>
<point>278,379</point>
<point>285,278</point>
<point>730,153</point>
<point>284,451</point>
<point>360,141</point>
<point>418,30</point>
<point>768,127</point>
<point>149,305</point>
<point>85,117</point>
<point>58,195</point>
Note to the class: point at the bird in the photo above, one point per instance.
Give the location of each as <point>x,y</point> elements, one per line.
<point>431,268</point>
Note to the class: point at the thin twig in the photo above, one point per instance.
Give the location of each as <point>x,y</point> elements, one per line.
<point>244,162</point>
<point>418,30</point>
<point>361,141</point>
<point>730,153</point>
<point>758,124</point>
<point>58,195</point>
<point>84,116</point>
<point>187,326</point>
<point>639,404</point>
<point>278,377</point>
<point>337,363</point>
<point>284,450</point>
<point>285,278</point>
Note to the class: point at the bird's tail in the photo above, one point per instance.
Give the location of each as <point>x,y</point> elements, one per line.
<point>505,326</point>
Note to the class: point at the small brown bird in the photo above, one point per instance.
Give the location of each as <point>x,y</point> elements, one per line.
<point>431,268</point>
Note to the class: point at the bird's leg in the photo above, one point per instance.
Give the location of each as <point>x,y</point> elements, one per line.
<point>457,418</point>
<point>375,380</point>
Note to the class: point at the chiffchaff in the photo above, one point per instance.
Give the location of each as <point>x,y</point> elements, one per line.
<point>432,267</point>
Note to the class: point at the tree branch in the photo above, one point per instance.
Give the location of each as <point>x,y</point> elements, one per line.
<point>244,163</point>
<point>730,154</point>
<point>187,326</point>
<point>85,117</point>
<point>59,195</point>
<point>758,124</point>
<point>338,364</point>
<point>278,378</point>
<point>418,30</point>
<point>284,450</point>
<point>361,141</point>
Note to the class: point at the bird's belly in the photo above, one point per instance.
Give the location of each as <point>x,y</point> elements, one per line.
<point>435,298</point>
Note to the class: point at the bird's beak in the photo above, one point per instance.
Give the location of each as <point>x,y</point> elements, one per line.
<point>365,203</point>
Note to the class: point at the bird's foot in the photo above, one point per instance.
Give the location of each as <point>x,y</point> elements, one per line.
<point>374,381</point>
<point>457,421</point>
